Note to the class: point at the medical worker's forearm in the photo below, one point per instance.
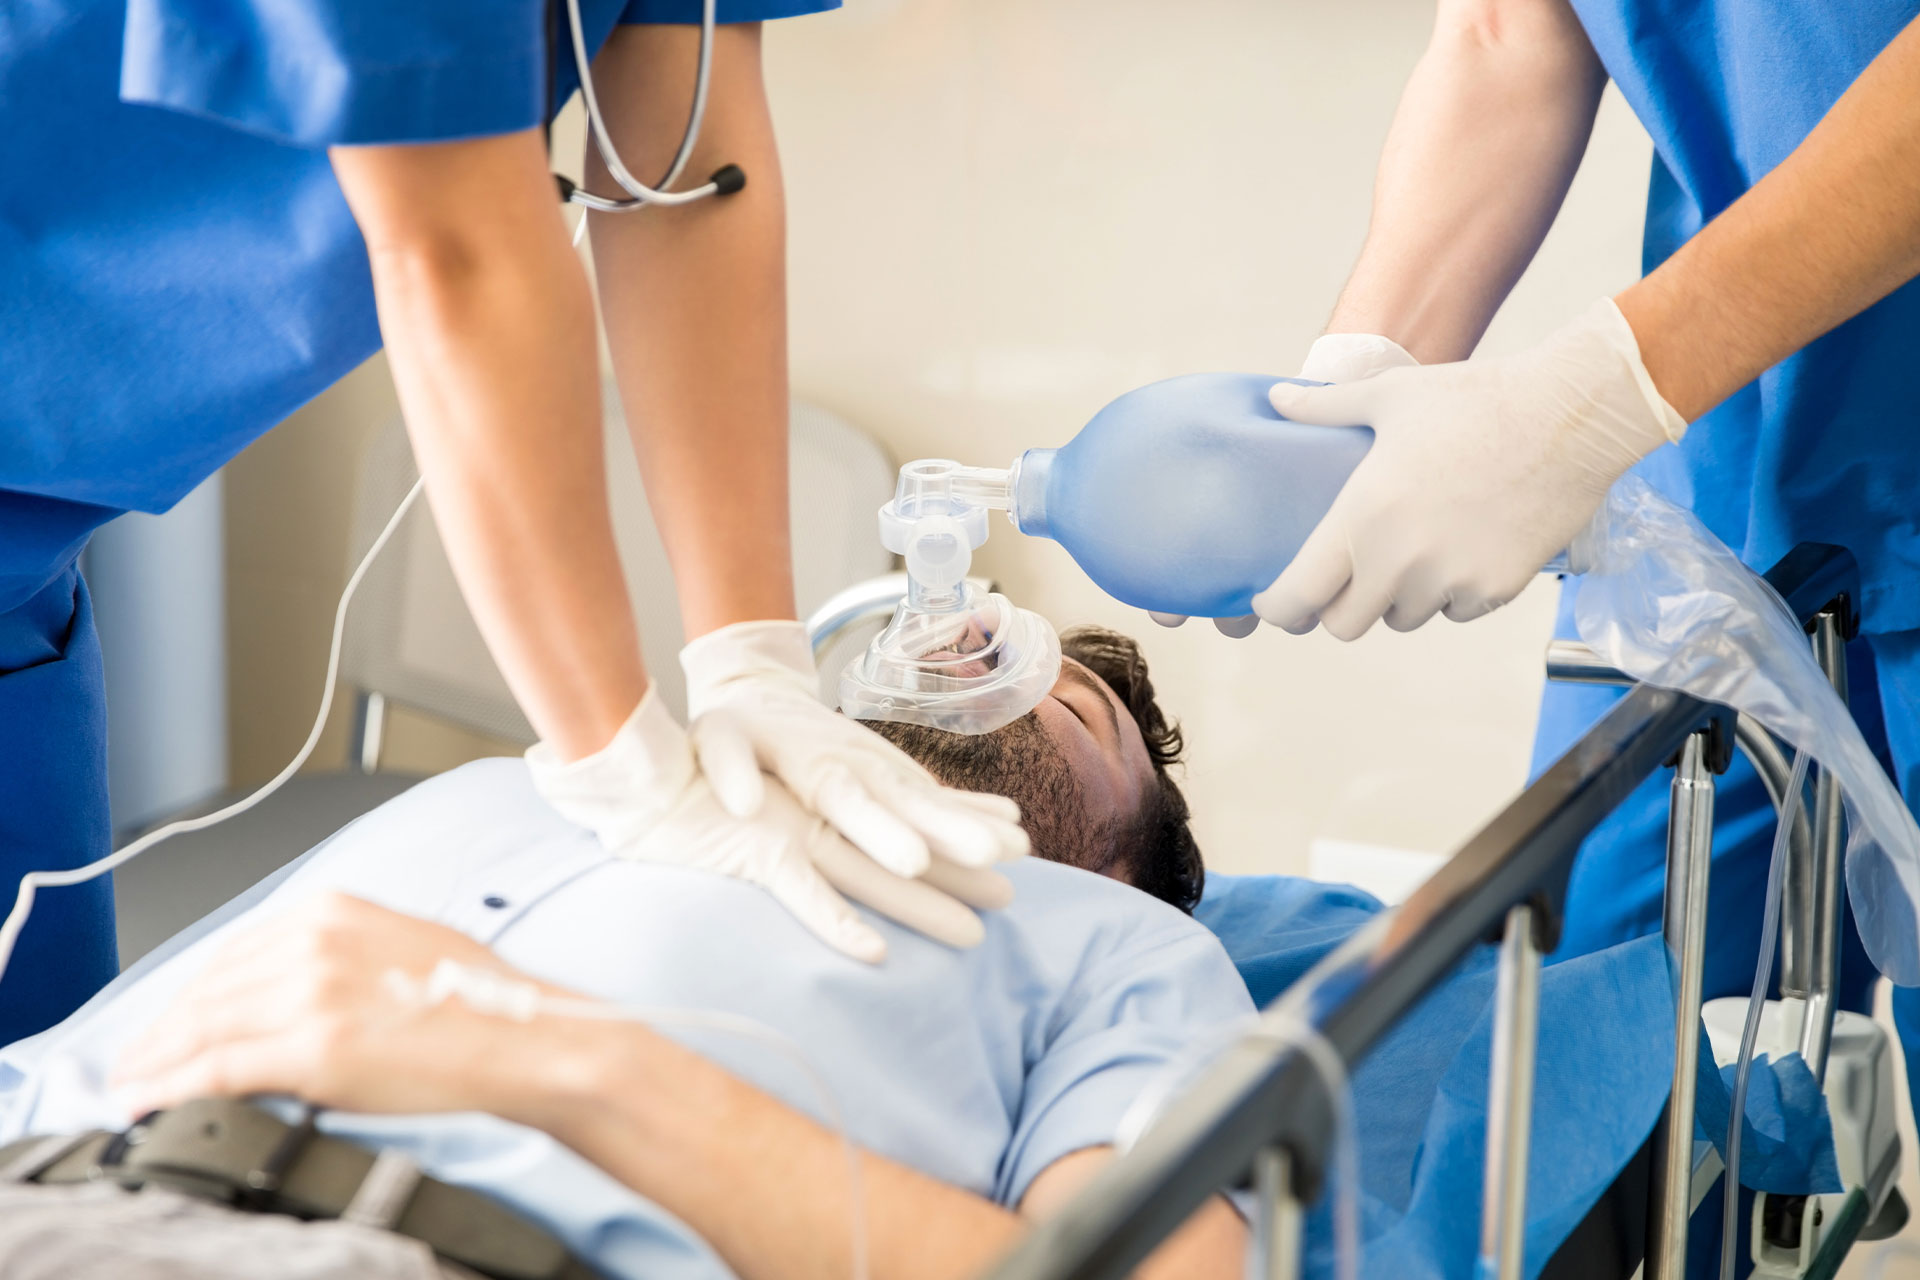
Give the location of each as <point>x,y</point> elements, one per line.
<point>768,1187</point>
<point>1832,230</point>
<point>1489,132</point>
<point>488,323</point>
<point>696,314</point>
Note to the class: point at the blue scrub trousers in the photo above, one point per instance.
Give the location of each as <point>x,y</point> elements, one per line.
<point>53,803</point>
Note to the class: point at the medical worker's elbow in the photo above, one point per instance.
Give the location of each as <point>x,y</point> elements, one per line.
<point>448,222</point>
<point>424,265</point>
<point>1539,36</point>
<point>452,280</point>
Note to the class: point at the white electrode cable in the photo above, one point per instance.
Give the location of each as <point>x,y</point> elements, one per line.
<point>1756,1002</point>
<point>499,995</point>
<point>34,881</point>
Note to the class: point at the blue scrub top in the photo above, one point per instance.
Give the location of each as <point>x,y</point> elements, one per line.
<point>1825,446</point>
<point>181,270</point>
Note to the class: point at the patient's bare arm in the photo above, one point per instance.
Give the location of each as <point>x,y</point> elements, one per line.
<point>772,1195</point>
<point>300,1005</point>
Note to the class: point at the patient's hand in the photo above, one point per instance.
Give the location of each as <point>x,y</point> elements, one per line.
<point>303,1004</point>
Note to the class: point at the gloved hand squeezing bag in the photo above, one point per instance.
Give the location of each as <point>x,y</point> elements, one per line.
<point>1333,358</point>
<point>1480,473</point>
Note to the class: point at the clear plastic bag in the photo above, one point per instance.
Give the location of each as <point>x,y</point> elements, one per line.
<point>1669,604</point>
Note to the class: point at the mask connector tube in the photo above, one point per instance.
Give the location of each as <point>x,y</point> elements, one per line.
<point>937,517</point>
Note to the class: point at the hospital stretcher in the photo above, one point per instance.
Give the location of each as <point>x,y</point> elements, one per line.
<point>1261,1112</point>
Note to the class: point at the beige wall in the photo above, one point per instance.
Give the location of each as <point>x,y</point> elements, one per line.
<point>289,517</point>
<point>1003,214</point>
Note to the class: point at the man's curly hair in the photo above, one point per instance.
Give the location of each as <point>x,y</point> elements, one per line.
<point>1155,843</point>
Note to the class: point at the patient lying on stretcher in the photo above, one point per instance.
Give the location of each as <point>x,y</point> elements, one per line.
<point>983,1085</point>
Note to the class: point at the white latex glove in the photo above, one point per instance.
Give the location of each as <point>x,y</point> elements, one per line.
<point>1480,473</point>
<point>753,697</point>
<point>1349,357</point>
<point>644,797</point>
<point>1333,357</point>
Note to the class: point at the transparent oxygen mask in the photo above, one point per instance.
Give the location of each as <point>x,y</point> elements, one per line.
<point>953,657</point>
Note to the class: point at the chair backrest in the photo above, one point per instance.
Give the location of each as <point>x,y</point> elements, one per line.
<point>411,639</point>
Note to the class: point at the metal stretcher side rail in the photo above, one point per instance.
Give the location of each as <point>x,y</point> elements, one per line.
<point>1262,1110</point>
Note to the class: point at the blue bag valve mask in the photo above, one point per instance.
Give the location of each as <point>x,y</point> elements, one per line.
<point>1191,494</point>
<point>1184,496</point>
<point>1187,495</point>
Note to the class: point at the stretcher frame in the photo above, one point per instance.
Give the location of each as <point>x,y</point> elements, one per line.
<point>1260,1112</point>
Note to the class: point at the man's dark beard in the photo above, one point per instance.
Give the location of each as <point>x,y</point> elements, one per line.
<point>1021,762</point>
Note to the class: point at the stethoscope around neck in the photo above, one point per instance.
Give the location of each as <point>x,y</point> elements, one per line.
<point>724,181</point>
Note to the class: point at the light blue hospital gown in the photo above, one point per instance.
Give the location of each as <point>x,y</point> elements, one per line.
<point>977,1067</point>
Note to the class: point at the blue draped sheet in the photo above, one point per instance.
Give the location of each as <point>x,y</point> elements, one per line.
<point>1602,1071</point>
